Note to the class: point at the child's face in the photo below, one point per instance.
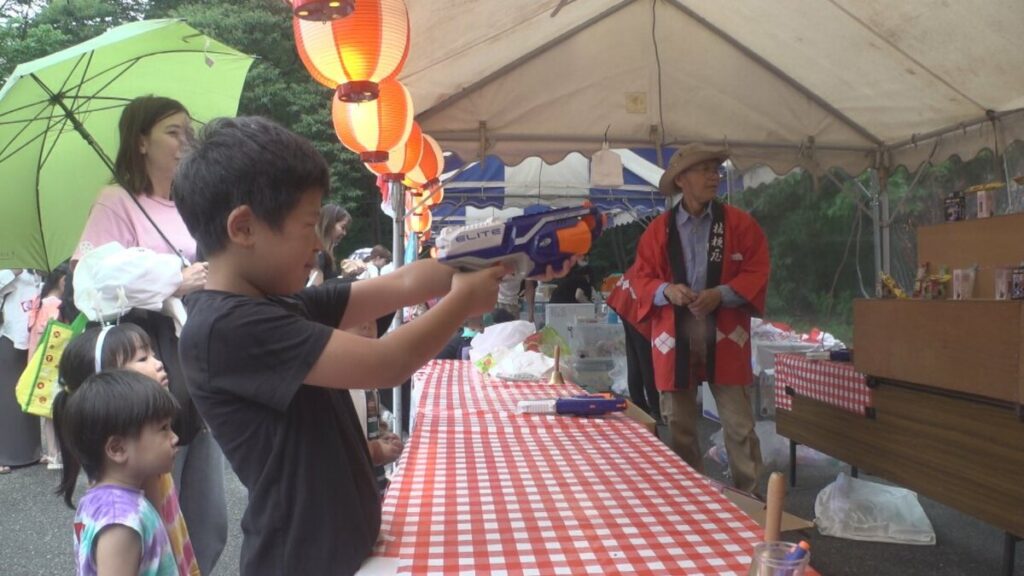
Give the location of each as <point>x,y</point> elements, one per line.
<point>283,258</point>
<point>152,453</point>
<point>146,363</point>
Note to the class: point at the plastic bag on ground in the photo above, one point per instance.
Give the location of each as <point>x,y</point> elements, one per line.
<point>861,510</point>
<point>774,450</point>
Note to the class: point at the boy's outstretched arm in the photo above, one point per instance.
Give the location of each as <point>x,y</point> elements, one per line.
<point>412,284</point>
<point>350,361</point>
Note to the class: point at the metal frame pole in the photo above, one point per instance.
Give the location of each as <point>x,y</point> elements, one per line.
<point>397,194</point>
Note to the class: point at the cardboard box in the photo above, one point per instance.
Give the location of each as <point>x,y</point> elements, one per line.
<point>756,509</point>
<point>637,415</point>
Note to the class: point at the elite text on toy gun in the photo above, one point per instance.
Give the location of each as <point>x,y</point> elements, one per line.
<point>583,405</point>
<point>531,242</point>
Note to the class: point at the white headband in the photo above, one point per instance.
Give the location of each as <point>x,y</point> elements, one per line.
<point>99,348</point>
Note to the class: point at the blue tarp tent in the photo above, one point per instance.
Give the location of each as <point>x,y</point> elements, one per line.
<point>475,190</point>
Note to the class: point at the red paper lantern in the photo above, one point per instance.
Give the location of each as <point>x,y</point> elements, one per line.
<point>322,10</point>
<point>428,170</point>
<point>355,53</point>
<point>403,158</point>
<point>419,221</point>
<point>372,128</point>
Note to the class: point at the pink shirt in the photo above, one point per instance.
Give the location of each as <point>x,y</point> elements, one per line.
<point>116,218</point>
<point>38,317</point>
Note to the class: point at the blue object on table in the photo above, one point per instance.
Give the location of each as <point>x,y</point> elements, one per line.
<point>590,404</point>
<point>797,554</point>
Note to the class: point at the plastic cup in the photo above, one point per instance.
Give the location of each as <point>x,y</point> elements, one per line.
<point>770,559</point>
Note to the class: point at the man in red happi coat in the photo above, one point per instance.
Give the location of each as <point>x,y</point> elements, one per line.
<point>700,274</point>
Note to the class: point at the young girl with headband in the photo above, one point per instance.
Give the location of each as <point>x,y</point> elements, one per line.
<point>124,347</point>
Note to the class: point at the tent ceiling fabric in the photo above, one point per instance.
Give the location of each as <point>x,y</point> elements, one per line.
<point>811,83</point>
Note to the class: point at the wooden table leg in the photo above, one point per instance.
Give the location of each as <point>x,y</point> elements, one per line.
<point>1009,553</point>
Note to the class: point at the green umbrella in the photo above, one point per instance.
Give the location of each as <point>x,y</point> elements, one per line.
<point>58,124</point>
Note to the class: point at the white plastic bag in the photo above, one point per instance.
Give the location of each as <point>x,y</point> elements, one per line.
<point>861,510</point>
<point>774,450</point>
<point>520,364</point>
<point>111,280</point>
<point>504,335</point>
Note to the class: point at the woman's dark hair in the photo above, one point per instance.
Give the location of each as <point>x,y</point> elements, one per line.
<point>378,251</point>
<point>330,215</point>
<point>53,278</point>
<point>120,345</point>
<point>245,161</point>
<point>111,403</point>
<point>137,119</point>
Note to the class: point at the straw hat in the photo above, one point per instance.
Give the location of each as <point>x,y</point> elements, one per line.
<point>684,158</point>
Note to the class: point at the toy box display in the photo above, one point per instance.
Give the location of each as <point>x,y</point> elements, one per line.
<point>1017,284</point>
<point>955,207</point>
<point>1002,283</point>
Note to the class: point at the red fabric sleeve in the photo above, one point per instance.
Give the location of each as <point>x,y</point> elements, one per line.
<point>751,282</point>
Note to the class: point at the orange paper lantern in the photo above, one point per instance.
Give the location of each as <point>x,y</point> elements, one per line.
<point>401,159</point>
<point>419,221</point>
<point>322,10</point>
<point>372,128</point>
<point>428,169</point>
<point>353,54</point>
<point>429,196</point>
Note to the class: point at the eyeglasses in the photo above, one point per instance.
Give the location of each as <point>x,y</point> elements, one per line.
<point>709,167</point>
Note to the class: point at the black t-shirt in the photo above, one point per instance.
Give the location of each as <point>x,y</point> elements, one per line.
<point>300,450</point>
<point>326,266</point>
<point>579,277</point>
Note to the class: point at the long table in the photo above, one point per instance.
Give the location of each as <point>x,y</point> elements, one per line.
<point>481,489</point>
<point>962,451</point>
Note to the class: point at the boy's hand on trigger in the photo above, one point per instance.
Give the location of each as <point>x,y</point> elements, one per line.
<point>479,289</point>
<point>552,274</point>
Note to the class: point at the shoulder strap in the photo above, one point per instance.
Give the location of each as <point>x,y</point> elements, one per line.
<point>177,252</point>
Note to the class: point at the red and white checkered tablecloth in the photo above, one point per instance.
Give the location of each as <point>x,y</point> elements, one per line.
<point>488,491</point>
<point>834,383</point>
<point>456,385</point>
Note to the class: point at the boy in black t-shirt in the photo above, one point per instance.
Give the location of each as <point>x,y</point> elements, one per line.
<point>265,359</point>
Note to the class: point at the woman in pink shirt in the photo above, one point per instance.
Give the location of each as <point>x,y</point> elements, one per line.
<point>138,211</point>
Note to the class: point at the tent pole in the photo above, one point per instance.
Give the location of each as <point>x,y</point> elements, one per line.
<point>884,223</point>
<point>397,194</point>
<point>876,219</point>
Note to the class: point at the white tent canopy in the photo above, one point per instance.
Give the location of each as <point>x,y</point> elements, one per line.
<point>812,83</point>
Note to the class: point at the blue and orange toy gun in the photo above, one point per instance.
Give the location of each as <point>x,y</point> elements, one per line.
<point>583,405</point>
<point>531,242</point>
